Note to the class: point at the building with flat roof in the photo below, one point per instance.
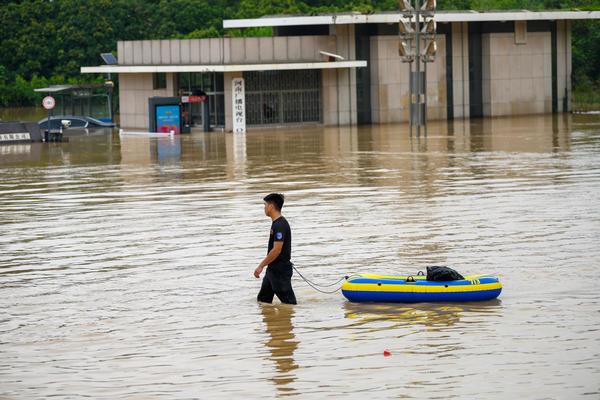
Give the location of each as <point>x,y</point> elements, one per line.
<point>487,64</point>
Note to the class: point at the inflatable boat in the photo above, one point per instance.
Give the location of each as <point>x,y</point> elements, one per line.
<point>416,289</point>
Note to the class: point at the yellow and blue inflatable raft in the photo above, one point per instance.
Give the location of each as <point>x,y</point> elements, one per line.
<point>417,289</point>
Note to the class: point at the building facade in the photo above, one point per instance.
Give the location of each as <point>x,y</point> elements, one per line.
<point>487,64</point>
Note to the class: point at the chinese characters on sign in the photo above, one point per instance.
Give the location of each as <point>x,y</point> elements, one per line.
<point>239,106</point>
<point>14,137</point>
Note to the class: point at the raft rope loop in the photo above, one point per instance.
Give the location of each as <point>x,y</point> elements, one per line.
<point>316,286</point>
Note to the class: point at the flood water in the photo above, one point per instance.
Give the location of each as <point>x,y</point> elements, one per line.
<point>126,264</point>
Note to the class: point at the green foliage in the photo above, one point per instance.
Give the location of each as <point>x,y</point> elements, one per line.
<point>264,31</point>
<point>209,32</point>
<point>586,52</point>
<point>53,39</point>
<point>19,92</point>
<point>586,96</point>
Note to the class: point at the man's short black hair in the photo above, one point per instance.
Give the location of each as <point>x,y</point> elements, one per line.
<point>276,199</point>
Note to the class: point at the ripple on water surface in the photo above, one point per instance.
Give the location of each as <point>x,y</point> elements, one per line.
<point>125,264</point>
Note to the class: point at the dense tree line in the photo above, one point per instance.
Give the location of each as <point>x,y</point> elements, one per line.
<point>44,41</point>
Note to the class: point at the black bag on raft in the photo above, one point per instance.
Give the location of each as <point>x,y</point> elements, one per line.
<point>441,273</point>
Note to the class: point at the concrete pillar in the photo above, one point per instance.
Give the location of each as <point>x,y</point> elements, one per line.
<point>486,74</point>
<point>569,59</point>
<point>126,109</point>
<point>352,72</point>
<point>460,69</point>
<point>563,64</point>
<point>329,96</point>
<point>374,59</point>
<point>346,78</point>
<point>561,70</point>
<point>172,84</point>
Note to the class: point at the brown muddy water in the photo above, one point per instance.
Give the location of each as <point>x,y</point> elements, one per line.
<point>126,264</point>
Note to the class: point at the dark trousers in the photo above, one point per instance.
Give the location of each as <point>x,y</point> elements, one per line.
<point>279,285</point>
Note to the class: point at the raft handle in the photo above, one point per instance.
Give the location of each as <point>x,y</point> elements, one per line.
<point>410,279</point>
<point>420,273</point>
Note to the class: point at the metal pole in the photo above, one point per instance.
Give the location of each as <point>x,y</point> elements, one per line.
<point>410,105</point>
<point>48,127</point>
<point>425,97</point>
<point>418,60</point>
<point>110,109</point>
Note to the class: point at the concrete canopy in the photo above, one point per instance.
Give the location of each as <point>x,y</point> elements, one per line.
<point>124,69</point>
<point>394,17</point>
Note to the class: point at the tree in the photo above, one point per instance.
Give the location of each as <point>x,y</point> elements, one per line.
<point>53,39</point>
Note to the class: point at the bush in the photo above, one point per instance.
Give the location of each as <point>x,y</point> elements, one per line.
<point>20,92</point>
<point>586,95</point>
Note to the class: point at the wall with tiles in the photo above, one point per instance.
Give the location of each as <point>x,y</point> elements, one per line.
<point>517,78</point>
<point>134,92</point>
<point>390,92</point>
<point>245,50</point>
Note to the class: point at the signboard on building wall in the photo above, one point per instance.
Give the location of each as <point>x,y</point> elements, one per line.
<point>168,118</point>
<point>239,105</point>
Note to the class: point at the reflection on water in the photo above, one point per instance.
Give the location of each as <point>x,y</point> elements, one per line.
<point>433,316</point>
<point>281,344</point>
<point>15,153</point>
<point>385,143</point>
<point>168,150</point>
<point>235,150</point>
<point>126,262</point>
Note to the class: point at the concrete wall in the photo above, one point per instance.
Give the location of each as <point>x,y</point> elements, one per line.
<point>390,92</point>
<point>517,78</point>
<point>173,51</point>
<point>134,91</point>
<point>246,50</point>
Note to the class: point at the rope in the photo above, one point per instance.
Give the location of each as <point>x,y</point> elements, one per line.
<point>316,286</point>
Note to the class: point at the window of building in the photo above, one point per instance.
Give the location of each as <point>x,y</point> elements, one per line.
<point>283,97</point>
<point>159,80</point>
<point>211,83</point>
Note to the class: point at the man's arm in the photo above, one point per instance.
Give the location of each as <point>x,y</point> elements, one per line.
<point>273,254</point>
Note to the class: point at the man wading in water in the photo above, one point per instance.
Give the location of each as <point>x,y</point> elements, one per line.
<point>278,278</point>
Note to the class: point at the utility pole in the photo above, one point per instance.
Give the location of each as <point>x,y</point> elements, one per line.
<point>417,24</point>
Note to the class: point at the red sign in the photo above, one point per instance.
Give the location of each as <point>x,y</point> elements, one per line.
<point>197,99</point>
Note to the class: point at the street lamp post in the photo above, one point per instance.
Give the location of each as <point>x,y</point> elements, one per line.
<point>417,25</point>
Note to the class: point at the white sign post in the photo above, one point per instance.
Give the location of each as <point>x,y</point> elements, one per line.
<point>48,102</point>
<point>239,105</point>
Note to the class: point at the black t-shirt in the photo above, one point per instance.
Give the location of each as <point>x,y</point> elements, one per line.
<point>281,232</point>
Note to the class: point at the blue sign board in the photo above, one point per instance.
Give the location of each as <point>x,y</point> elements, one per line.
<point>168,118</point>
